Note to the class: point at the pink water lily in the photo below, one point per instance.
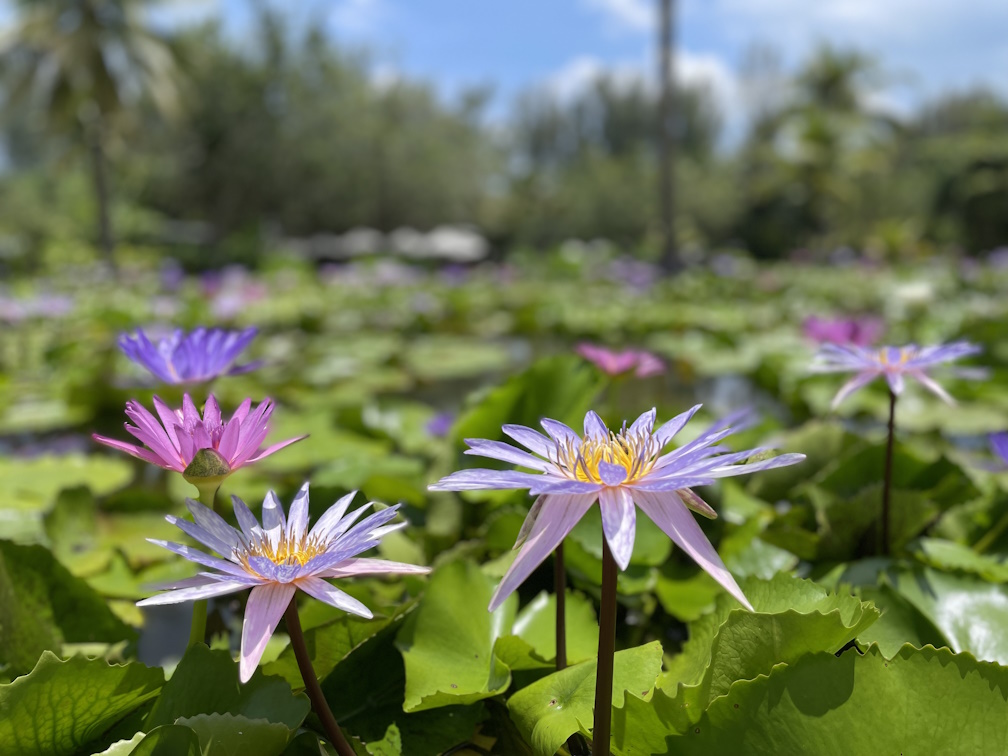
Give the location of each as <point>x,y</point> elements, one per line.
<point>614,362</point>
<point>278,558</point>
<point>173,439</point>
<point>894,363</point>
<point>621,470</point>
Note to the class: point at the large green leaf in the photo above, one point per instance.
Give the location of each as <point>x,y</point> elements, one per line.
<point>169,740</point>
<point>206,682</point>
<point>42,606</point>
<point>532,644</point>
<point>921,701</point>
<point>32,484</point>
<point>552,709</point>
<point>792,617</point>
<point>62,706</point>
<point>968,610</point>
<point>448,643</point>
<point>330,643</point>
<point>235,735</point>
<point>950,556</point>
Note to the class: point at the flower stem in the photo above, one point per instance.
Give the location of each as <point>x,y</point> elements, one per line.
<point>197,629</point>
<point>887,480</point>
<point>559,589</point>
<point>312,687</point>
<point>606,651</point>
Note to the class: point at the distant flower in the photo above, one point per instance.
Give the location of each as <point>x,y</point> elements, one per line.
<point>195,357</point>
<point>860,331</point>
<point>895,363</point>
<point>277,558</point>
<point>619,470</point>
<point>440,424</point>
<point>173,443</point>
<point>999,443</point>
<point>612,362</point>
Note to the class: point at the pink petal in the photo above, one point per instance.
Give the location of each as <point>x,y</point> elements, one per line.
<point>619,523</point>
<point>169,419</point>
<point>190,415</point>
<point>668,512</point>
<point>229,441</point>
<point>252,432</point>
<point>140,453</point>
<point>242,412</point>
<point>333,596</point>
<point>266,605</point>
<point>149,430</point>
<point>559,514</point>
<point>895,381</point>
<point>529,521</point>
<point>211,413</point>
<point>186,446</point>
<point>271,450</point>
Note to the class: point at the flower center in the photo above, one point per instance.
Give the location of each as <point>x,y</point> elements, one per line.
<point>287,551</point>
<point>893,357</point>
<point>580,459</point>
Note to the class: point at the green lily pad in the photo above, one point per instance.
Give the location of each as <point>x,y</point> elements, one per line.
<point>448,644</point>
<point>62,706</point>
<point>552,709</point>
<point>235,735</point>
<point>206,681</point>
<point>532,644</point>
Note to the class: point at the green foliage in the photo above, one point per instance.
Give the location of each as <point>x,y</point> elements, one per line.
<point>206,681</point>
<point>448,645</point>
<point>43,606</point>
<point>549,711</point>
<point>61,707</point>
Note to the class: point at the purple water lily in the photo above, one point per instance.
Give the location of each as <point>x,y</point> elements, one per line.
<point>277,558</point>
<point>895,363</point>
<point>999,443</point>
<point>195,357</point>
<point>620,470</point>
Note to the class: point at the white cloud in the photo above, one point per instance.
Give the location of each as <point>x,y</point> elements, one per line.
<point>356,16</point>
<point>638,15</point>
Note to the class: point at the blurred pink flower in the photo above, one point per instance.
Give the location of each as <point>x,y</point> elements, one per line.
<point>859,331</point>
<point>614,363</point>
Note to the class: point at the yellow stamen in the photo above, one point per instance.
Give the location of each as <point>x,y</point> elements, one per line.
<point>287,552</point>
<point>580,460</point>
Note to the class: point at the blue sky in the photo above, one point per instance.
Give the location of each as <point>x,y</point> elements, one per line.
<point>925,46</point>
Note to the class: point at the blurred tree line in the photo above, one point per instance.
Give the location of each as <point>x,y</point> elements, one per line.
<point>194,139</point>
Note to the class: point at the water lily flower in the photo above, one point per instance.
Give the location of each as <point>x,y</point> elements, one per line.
<point>612,362</point>
<point>895,363</point>
<point>860,331</point>
<point>182,440</point>
<point>999,443</point>
<point>277,558</point>
<point>196,357</point>
<point>621,471</point>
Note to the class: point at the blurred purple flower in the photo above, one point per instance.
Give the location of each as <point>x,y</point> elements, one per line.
<point>999,444</point>
<point>860,331</point>
<point>895,363</point>
<point>202,355</point>
<point>619,470</point>
<point>277,558</point>
<point>612,362</point>
<point>440,424</point>
<point>174,442</point>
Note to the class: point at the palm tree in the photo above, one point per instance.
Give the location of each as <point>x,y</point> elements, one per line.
<point>81,64</point>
